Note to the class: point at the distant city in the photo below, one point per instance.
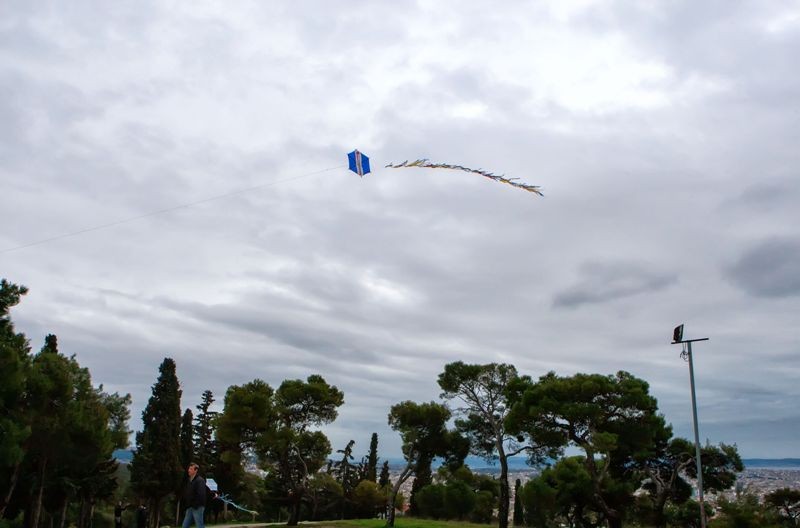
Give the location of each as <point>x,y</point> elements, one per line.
<point>518,464</point>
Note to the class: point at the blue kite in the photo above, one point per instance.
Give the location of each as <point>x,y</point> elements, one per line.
<point>359,163</point>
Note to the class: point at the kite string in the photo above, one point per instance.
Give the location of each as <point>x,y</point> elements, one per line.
<point>166,210</point>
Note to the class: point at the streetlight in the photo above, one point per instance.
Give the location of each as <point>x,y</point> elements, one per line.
<point>686,354</point>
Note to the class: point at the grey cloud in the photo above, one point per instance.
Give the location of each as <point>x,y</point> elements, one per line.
<point>769,269</point>
<point>606,282</point>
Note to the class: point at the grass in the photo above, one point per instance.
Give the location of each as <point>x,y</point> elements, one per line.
<point>401,522</point>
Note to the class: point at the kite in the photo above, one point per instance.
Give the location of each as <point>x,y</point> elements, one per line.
<point>424,163</point>
<point>359,163</point>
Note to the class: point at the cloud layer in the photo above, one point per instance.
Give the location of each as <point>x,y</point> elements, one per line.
<point>661,133</point>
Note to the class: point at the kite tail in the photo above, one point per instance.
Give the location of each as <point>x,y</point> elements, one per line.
<point>425,163</point>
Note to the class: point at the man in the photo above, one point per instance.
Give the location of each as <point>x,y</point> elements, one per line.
<point>194,497</point>
<point>118,509</point>
<point>141,516</point>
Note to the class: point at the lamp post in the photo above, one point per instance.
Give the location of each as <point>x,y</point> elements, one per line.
<point>677,337</point>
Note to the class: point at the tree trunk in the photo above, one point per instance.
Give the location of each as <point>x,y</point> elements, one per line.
<point>396,488</point>
<point>294,513</point>
<point>63,521</point>
<point>502,510</point>
<point>37,505</point>
<point>11,485</point>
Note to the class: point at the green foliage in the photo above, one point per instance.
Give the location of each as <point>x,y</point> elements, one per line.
<point>674,460</point>
<point>186,440</point>
<point>372,459</point>
<point>325,495</point>
<point>248,415</point>
<point>274,426</point>
<point>368,499</point>
<point>564,491</point>
<point>205,447</point>
<point>743,512</point>
<point>156,469</point>
<point>290,450</point>
<point>519,513</point>
<point>430,501</point>
<point>383,481</point>
<point>785,502</point>
<point>58,430</point>
<point>612,419</point>
<point>484,507</point>
<point>347,476</point>
<point>423,431</point>
<point>15,420</point>
<point>483,390</point>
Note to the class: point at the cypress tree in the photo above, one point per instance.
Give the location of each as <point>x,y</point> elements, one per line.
<point>187,444</point>
<point>384,478</point>
<point>156,466</point>
<point>372,460</point>
<point>518,515</point>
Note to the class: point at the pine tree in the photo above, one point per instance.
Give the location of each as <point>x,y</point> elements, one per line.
<point>206,452</point>
<point>372,461</point>
<point>15,364</point>
<point>156,467</point>
<point>51,386</point>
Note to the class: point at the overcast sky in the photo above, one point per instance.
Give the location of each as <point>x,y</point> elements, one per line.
<point>663,134</point>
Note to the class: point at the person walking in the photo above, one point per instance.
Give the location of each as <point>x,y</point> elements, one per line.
<point>194,497</point>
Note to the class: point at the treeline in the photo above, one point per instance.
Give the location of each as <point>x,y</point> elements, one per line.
<point>58,431</point>
<point>267,454</point>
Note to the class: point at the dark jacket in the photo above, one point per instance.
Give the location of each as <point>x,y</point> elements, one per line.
<point>194,493</point>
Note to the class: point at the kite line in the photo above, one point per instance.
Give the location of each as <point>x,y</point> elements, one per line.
<point>226,500</point>
<point>163,211</point>
<point>357,162</point>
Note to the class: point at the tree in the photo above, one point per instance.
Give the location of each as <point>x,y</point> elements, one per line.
<point>424,434</point>
<point>519,517</point>
<point>673,461</point>
<point>483,391</point>
<point>367,499</point>
<point>612,419</point>
<point>156,469</point>
<point>563,492</point>
<point>51,386</point>
<point>187,442</point>
<point>248,416</point>
<point>786,503</point>
<point>423,477</point>
<point>346,474</point>
<point>325,494</point>
<point>291,451</point>
<point>14,372</point>
<point>384,478</point>
<point>206,453</point>
<point>372,459</point>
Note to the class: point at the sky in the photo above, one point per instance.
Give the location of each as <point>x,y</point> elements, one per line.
<point>196,155</point>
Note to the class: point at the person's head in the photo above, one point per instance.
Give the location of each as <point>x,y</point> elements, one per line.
<point>192,470</point>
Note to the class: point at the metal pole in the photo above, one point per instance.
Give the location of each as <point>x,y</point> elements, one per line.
<point>697,442</point>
